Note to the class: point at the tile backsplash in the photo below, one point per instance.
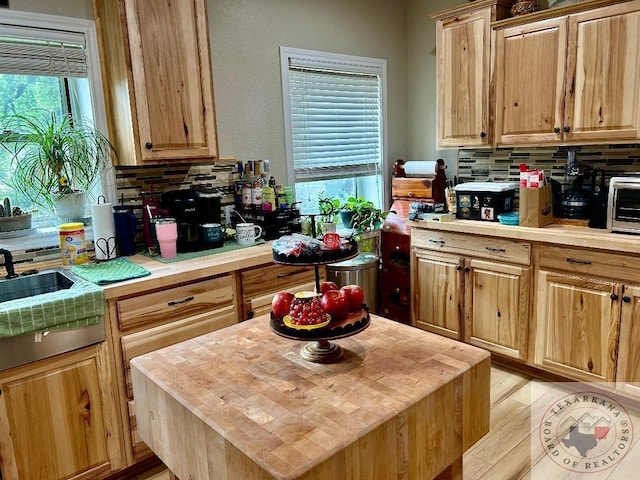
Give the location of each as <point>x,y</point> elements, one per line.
<point>503,164</point>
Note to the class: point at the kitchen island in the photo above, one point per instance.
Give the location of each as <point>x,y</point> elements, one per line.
<point>240,403</point>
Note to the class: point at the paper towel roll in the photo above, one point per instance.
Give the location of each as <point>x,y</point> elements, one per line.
<point>419,168</point>
<point>104,231</point>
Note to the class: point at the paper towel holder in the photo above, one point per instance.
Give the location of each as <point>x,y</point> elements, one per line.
<point>109,250</point>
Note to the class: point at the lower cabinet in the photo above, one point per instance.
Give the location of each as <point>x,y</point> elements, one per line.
<point>577,326</point>
<point>153,320</point>
<point>438,293</point>
<point>628,373</point>
<point>58,419</point>
<point>258,285</point>
<point>481,301</point>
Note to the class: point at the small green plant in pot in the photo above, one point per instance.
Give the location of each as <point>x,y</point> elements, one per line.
<point>54,158</point>
<point>362,215</point>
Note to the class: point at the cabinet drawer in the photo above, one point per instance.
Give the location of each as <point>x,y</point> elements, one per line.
<point>273,278</point>
<point>589,262</point>
<point>152,339</point>
<point>471,245</point>
<point>256,306</point>
<point>175,303</point>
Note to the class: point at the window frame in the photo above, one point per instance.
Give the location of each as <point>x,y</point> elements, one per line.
<point>55,28</point>
<point>349,63</point>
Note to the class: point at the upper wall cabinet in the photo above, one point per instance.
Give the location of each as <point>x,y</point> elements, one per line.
<point>156,67</point>
<point>570,79</point>
<point>463,70</point>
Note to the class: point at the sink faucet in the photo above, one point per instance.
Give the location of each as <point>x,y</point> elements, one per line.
<point>8,263</point>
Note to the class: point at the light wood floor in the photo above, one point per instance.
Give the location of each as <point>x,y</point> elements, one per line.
<point>506,453</point>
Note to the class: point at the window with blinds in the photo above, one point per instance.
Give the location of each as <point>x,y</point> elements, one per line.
<point>46,63</point>
<point>334,118</point>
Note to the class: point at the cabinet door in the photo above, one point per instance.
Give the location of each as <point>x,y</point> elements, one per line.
<point>462,45</point>
<point>628,373</point>
<point>172,80</point>
<point>497,307</point>
<point>603,72</point>
<point>577,326</point>
<point>530,64</point>
<point>437,293</point>
<point>51,421</point>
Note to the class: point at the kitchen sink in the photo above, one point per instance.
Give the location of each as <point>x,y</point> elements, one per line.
<point>37,289</point>
<point>36,284</point>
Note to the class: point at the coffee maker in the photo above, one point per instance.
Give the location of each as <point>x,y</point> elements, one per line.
<point>191,209</point>
<point>182,205</point>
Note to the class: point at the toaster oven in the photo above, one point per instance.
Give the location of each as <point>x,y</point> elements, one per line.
<point>624,204</point>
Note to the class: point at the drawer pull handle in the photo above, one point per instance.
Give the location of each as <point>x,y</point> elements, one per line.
<point>441,242</point>
<point>493,249</point>
<point>289,274</point>
<point>178,302</point>
<point>575,260</point>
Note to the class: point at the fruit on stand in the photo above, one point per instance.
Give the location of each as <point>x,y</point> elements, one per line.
<point>335,303</point>
<point>355,295</point>
<point>326,286</point>
<point>306,309</point>
<point>281,304</point>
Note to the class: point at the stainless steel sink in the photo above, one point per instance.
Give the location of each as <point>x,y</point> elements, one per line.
<point>31,347</point>
<point>36,284</point>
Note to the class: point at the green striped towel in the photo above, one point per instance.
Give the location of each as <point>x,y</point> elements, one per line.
<point>81,305</point>
<point>104,273</point>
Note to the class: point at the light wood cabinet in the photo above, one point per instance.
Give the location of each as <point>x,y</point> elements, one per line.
<point>577,326</point>
<point>477,293</point>
<point>463,37</point>
<point>157,78</point>
<point>157,319</point>
<point>570,79</point>
<point>628,372</point>
<point>58,419</point>
<point>260,284</point>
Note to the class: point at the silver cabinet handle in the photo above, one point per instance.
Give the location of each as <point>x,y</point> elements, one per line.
<point>441,242</point>
<point>492,249</point>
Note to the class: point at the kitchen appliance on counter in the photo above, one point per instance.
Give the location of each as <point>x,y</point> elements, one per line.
<point>623,205</point>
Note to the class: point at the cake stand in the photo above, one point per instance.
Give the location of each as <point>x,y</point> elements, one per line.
<point>321,349</point>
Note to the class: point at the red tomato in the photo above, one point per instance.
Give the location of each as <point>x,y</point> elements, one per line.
<point>326,286</point>
<point>355,295</point>
<point>281,303</point>
<point>335,303</point>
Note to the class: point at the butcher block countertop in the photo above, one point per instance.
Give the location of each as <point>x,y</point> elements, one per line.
<point>163,274</point>
<point>241,403</point>
<point>568,235</point>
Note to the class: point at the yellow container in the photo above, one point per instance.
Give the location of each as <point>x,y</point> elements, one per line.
<point>72,244</point>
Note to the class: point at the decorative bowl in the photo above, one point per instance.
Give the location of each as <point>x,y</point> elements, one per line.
<point>510,218</point>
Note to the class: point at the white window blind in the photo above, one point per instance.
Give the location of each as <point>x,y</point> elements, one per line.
<point>333,114</point>
<point>335,123</point>
<point>23,51</point>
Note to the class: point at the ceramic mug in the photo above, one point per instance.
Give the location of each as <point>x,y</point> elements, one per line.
<point>247,233</point>
<point>212,234</point>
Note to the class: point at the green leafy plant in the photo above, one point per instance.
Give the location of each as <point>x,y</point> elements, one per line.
<point>329,207</point>
<point>52,155</point>
<point>362,215</point>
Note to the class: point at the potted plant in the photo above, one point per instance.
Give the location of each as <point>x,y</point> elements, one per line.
<point>365,219</point>
<point>55,159</point>
<point>329,209</point>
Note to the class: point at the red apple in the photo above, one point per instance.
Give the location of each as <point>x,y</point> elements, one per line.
<point>335,303</point>
<point>281,304</point>
<point>326,286</point>
<point>355,295</point>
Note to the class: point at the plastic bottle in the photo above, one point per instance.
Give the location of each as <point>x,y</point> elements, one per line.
<point>72,243</point>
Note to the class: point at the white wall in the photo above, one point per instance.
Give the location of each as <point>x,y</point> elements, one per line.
<point>245,36</point>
